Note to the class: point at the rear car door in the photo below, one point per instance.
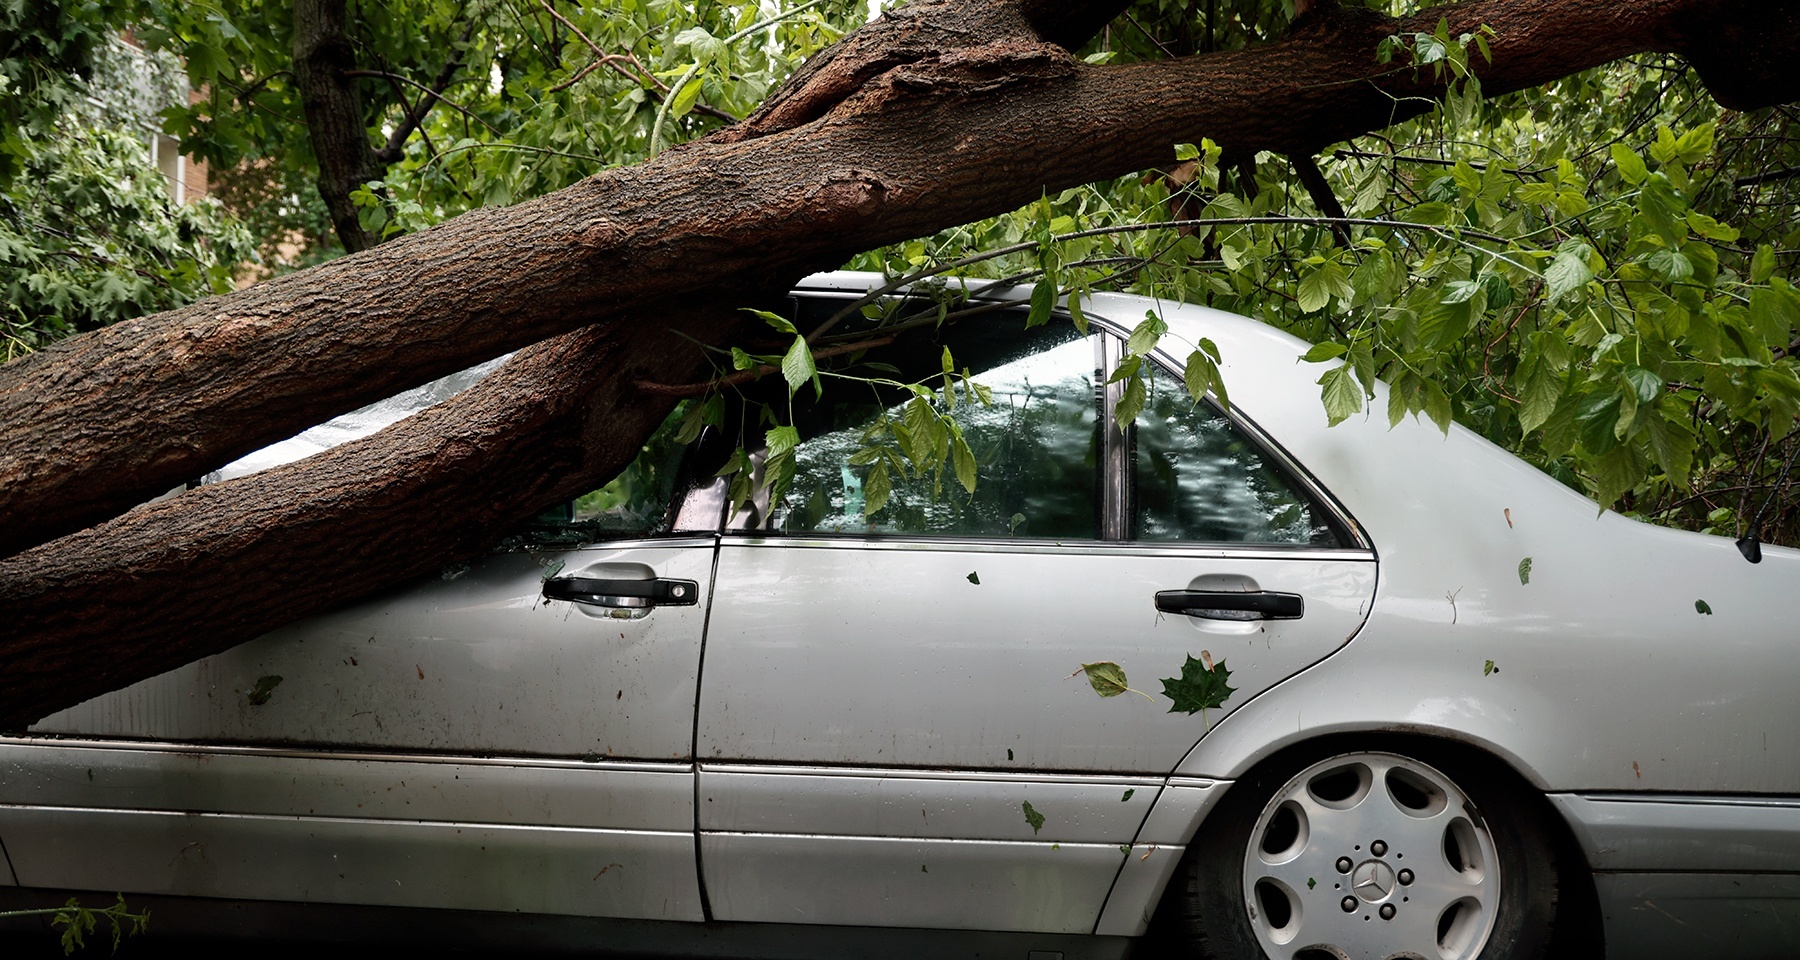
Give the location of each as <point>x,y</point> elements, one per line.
<point>463,742</point>
<point>893,727</point>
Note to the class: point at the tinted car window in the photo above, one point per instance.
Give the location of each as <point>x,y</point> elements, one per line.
<point>1035,442</point>
<point>636,503</point>
<point>1200,479</point>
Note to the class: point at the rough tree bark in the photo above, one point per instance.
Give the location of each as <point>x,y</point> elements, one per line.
<point>949,113</point>
<point>323,60</point>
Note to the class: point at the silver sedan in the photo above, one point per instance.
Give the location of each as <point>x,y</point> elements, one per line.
<point>1260,687</point>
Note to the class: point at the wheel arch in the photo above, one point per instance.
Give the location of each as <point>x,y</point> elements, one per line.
<point>1580,930</point>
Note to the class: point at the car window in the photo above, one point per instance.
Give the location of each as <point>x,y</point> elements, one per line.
<point>1198,478</point>
<point>1035,442</point>
<point>636,503</point>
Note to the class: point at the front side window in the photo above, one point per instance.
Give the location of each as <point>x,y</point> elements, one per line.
<point>636,503</point>
<point>1198,478</point>
<point>1034,441</point>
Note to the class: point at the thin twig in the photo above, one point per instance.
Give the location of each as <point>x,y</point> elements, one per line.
<point>745,376</point>
<point>385,75</point>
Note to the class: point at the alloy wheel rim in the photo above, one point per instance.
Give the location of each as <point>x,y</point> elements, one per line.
<point>1371,856</point>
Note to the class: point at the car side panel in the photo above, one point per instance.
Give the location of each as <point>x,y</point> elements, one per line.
<point>964,655</point>
<point>476,661</point>
<point>477,866</point>
<point>333,760</point>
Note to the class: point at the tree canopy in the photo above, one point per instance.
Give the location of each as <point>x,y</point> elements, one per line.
<point>1568,226</point>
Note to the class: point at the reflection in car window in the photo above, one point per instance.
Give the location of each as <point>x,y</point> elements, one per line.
<point>1200,479</point>
<point>1035,444</point>
<point>636,503</point>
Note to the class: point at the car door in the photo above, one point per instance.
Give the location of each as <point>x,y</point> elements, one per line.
<point>894,727</point>
<point>464,742</point>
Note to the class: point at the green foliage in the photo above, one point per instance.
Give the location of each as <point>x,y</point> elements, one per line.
<point>77,922</point>
<point>88,232</point>
<point>539,96</point>
<point>1594,275</point>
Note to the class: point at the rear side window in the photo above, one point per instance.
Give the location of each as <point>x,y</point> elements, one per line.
<point>1035,442</point>
<point>1198,478</point>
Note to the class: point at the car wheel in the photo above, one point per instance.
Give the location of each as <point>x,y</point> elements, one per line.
<point>1371,855</point>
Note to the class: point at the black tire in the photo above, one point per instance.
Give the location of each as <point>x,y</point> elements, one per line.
<point>1206,913</point>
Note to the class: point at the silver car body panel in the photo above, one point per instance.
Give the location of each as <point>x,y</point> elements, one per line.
<point>1700,833</point>
<point>476,661</point>
<point>900,660</point>
<point>844,846</point>
<point>1679,914</point>
<point>474,866</point>
<point>943,884</point>
<point>1173,821</point>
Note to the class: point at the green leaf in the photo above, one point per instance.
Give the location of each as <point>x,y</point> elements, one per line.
<point>1199,687</point>
<point>1568,271</point>
<point>1075,314</point>
<point>781,440</point>
<point>1202,375</point>
<point>1033,817</point>
<point>1664,210</point>
<point>1672,445</point>
<point>1145,335</point>
<point>1318,287</point>
<point>741,360</point>
<point>1541,390</point>
<point>1343,397</point>
<point>797,367</point>
<point>1322,352</point>
<point>1525,571</point>
<point>265,686</point>
<point>685,98</point>
<point>964,460</point>
<point>1043,300</point>
<point>1488,668</point>
<point>1186,151</point>
<point>775,320</point>
<point>1107,678</point>
<point>1128,792</point>
<point>1762,266</point>
<point>1437,407</point>
<point>1703,608</point>
<point>876,489</point>
<point>1131,402</point>
<point>1631,166</point>
<point>1647,385</point>
<point>974,578</point>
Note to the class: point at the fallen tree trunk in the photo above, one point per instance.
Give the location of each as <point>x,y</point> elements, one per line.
<point>850,157</point>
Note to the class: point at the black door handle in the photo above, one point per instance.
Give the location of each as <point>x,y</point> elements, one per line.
<point>1231,605</point>
<point>623,593</point>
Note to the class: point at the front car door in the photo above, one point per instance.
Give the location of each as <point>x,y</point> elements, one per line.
<point>894,728</point>
<point>463,742</point>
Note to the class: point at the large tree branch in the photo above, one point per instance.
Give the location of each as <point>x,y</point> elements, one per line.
<point>977,128</point>
<point>540,430</point>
